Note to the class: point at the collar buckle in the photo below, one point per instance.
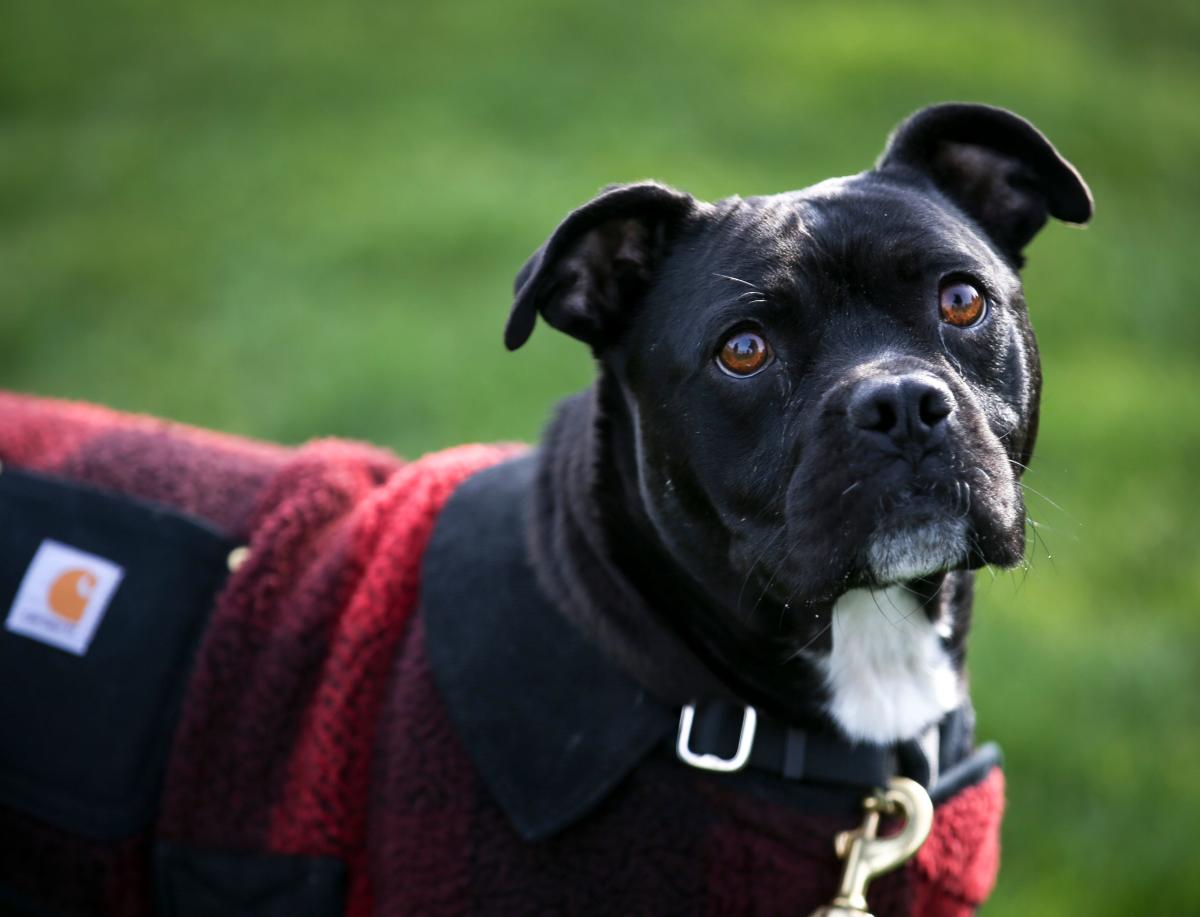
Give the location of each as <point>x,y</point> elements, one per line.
<point>710,762</point>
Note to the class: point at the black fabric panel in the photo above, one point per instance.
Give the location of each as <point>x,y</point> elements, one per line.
<point>85,738</point>
<point>967,772</point>
<point>192,882</point>
<point>14,904</point>
<point>549,722</point>
<point>956,736</point>
<point>913,762</point>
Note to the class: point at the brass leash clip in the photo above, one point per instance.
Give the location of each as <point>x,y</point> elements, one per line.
<point>868,856</point>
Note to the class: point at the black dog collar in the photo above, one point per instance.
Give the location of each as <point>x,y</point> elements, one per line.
<point>796,754</point>
<point>553,726</point>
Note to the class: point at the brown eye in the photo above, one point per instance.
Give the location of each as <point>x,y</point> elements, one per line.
<point>961,304</point>
<point>744,354</point>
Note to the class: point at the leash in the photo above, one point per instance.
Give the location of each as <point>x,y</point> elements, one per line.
<point>865,854</point>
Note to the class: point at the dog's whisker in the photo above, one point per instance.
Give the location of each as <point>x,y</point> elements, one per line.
<point>783,610</point>
<point>1038,493</point>
<point>813,639</point>
<point>1040,539</point>
<point>977,548</point>
<point>734,279</point>
<point>905,616</point>
<point>1058,533</point>
<point>875,599</point>
<point>779,533</point>
<point>1026,567</point>
<point>770,582</point>
<point>771,542</point>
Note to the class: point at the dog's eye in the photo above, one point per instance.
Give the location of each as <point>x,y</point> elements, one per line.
<point>743,354</point>
<point>960,304</point>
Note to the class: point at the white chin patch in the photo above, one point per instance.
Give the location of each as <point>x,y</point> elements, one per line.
<point>906,553</point>
<point>888,675</point>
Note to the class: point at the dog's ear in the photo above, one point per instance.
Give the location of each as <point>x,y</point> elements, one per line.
<point>597,263</point>
<point>994,165</point>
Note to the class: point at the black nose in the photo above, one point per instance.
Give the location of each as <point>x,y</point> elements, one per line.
<point>899,410</point>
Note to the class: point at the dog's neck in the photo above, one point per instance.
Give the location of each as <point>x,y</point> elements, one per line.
<point>571,532</point>
<point>596,555</point>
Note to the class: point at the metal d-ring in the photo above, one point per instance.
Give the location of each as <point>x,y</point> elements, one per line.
<point>715,762</point>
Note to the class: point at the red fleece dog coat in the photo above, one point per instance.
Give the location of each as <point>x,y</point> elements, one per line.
<point>312,744</point>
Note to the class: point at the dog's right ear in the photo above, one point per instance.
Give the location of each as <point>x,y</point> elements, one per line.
<point>598,263</point>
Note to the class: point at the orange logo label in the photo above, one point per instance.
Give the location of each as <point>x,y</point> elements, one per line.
<point>68,595</point>
<point>63,596</point>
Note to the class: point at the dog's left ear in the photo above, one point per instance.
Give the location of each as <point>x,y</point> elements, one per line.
<point>993,164</point>
<point>598,263</point>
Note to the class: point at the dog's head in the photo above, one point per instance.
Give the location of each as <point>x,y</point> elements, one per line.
<point>827,388</point>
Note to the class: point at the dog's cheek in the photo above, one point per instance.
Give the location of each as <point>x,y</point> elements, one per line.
<point>827,524</point>
<point>1027,362</point>
<point>723,511</point>
<point>997,511</point>
<point>676,502</point>
<point>732,446</point>
<point>1004,379</point>
<point>1001,547</point>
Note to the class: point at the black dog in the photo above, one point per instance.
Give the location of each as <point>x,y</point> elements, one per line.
<point>760,523</point>
<point>811,415</point>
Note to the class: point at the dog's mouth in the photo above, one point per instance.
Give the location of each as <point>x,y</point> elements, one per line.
<point>891,533</point>
<point>919,533</point>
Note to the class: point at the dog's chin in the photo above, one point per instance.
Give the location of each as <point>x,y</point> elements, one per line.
<point>917,536</point>
<point>902,553</point>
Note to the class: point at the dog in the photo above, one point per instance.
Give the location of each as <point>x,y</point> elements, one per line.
<point>654,664</point>
<point>807,430</point>
<point>811,416</point>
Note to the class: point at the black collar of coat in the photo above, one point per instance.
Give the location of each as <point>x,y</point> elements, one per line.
<point>550,723</point>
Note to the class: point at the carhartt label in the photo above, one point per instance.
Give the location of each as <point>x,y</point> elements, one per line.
<point>63,597</point>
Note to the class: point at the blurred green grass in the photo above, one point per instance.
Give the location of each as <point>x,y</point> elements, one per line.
<point>301,220</point>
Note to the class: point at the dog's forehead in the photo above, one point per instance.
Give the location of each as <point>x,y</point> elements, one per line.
<point>851,229</point>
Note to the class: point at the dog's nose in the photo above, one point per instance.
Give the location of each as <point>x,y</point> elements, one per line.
<point>898,410</point>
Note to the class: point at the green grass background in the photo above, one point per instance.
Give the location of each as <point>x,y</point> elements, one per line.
<point>302,219</point>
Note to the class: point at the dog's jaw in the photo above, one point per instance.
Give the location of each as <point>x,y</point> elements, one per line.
<point>898,555</point>
<point>888,673</point>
